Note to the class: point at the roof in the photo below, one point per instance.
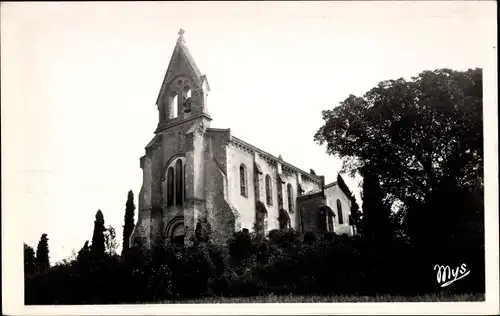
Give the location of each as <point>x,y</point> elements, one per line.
<point>330,184</point>
<point>267,155</point>
<point>342,185</point>
<point>326,209</point>
<point>187,54</point>
<point>181,49</point>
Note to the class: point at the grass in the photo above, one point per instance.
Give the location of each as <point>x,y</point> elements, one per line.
<point>331,299</point>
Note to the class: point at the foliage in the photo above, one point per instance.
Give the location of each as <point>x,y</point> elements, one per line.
<point>356,215</point>
<point>128,228</point>
<point>203,230</point>
<point>110,240</point>
<point>424,140</point>
<point>29,260</point>
<point>282,263</point>
<point>98,240</point>
<point>376,215</point>
<point>84,253</point>
<point>42,253</point>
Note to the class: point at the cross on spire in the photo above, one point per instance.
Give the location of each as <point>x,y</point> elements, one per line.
<point>181,33</point>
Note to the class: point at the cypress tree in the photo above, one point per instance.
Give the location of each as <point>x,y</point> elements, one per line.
<point>376,216</point>
<point>98,241</point>
<point>29,260</point>
<point>355,213</point>
<point>42,253</point>
<point>129,221</point>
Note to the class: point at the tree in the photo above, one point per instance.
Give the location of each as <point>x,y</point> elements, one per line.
<point>42,253</point>
<point>424,140</point>
<point>129,221</point>
<point>85,250</point>
<point>29,260</point>
<point>83,258</point>
<point>110,240</point>
<point>356,214</point>
<point>376,215</point>
<point>98,240</point>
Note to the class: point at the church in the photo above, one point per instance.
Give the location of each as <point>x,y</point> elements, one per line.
<point>197,175</point>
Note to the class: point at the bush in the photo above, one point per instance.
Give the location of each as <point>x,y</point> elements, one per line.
<point>284,262</point>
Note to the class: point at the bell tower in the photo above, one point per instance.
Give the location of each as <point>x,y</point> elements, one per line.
<point>183,93</point>
<point>172,196</point>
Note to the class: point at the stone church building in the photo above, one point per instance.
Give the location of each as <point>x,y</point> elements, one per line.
<point>193,173</point>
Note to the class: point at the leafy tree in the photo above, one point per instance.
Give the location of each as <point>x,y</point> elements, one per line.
<point>98,240</point>
<point>29,260</point>
<point>110,240</point>
<point>42,253</point>
<point>424,140</point>
<point>129,221</point>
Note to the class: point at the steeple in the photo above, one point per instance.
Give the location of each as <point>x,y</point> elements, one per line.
<point>184,89</point>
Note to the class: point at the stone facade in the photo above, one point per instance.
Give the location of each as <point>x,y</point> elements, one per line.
<point>196,174</point>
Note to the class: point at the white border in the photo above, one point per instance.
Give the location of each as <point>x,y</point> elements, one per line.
<point>12,221</point>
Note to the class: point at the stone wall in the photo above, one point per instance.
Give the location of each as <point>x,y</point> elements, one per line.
<point>174,145</point>
<point>223,216</point>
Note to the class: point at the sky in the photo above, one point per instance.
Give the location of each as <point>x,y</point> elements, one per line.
<point>83,79</point>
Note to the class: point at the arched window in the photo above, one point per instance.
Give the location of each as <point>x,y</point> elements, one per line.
<point>170,186</point>
<point>179,185</point>
<point>269,196</point>
<point>175,188</point>
<point>339,211</point>
<point>289,193</point>
<point>175,106</point>
<point>243,181</point>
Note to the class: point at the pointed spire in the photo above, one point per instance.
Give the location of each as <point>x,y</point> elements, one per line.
<point>182,63</point>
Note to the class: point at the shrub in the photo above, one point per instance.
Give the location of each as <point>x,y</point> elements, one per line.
<point>281,263</point>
